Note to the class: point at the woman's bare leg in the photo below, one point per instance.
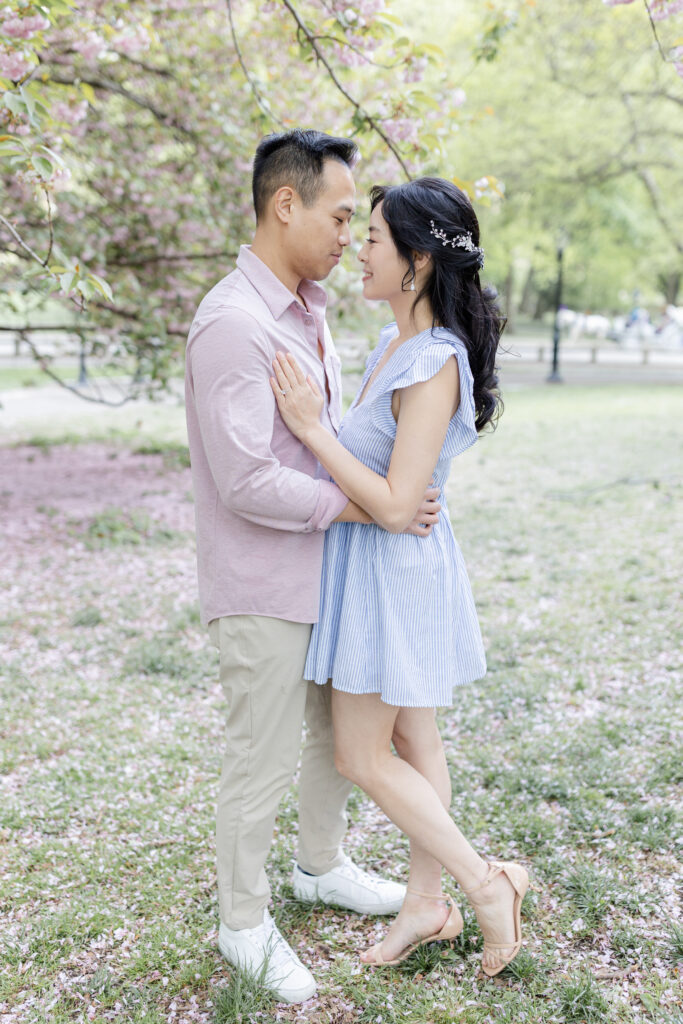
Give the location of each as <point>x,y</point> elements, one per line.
<point>363,728</point>
<point>417,741</point>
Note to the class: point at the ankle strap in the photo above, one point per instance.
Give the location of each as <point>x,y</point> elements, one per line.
<point>428,895</point>
<point>492,869</point>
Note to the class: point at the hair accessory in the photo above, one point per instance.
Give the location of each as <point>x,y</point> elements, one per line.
<point>463,241</point>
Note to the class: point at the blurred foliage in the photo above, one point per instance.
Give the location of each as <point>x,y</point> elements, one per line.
<point>127,131</point>
<point>583,129</point>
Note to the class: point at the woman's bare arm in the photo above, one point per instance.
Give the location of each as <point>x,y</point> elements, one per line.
<point>425,411</point>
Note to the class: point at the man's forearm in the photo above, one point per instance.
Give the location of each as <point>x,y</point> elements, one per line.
<point>353,513</point>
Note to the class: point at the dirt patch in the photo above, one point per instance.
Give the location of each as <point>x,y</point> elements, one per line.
<point>43,490</point>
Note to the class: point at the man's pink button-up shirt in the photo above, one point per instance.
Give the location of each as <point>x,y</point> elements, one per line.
<point>262,501</point>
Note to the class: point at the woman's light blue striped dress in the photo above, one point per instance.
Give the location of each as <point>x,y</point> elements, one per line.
<point>397,615</point>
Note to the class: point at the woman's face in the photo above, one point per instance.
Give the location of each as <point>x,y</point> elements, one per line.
<point>383,268</point>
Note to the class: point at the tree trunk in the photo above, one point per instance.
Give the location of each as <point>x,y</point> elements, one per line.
<point>509,300</point>
<point>670,285</point>
<point>526,306</point>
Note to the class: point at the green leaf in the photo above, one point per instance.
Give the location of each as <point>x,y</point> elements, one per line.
<point>29,101</point>
<point>88,92</point>
<point>11,144</point>
<point>14,103</point>
<point>66,281</point>
<point>102,286</point>
<point>43,166</point>
<point>86,288</point>
<point>431,48</point>
<point>54,157</point>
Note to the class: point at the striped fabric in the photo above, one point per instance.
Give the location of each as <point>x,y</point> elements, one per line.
<point>397,615</point>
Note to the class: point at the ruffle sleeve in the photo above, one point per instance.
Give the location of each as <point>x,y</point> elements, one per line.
<point>421,362</point>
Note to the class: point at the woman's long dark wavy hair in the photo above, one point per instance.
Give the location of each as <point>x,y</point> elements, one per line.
<point>453,288</point>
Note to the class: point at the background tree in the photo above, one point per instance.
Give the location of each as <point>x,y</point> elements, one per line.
<point>127,134</point>
<point>584,131</point>
<point>127,144</point>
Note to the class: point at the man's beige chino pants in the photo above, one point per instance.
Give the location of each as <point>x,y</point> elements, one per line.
<point>261,668</point>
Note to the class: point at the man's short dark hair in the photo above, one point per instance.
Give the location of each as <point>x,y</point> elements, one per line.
<point>297,159</point>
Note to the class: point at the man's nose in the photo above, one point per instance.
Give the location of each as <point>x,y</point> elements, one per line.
<point>345,234</point>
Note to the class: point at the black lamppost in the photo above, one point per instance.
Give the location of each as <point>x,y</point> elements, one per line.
<point>554,376</point>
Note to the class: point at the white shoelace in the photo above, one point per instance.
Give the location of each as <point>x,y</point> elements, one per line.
<point>356,874</point>
<point>279,953</point>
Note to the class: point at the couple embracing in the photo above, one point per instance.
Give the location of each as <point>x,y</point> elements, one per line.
<point>329,575</point>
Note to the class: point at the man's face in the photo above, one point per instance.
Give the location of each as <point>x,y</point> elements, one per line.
<point>318,234</point>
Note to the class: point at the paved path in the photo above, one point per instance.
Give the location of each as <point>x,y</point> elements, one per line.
<point>50,411</point>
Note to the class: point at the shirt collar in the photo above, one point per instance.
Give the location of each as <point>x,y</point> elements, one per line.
<point>271,289</point>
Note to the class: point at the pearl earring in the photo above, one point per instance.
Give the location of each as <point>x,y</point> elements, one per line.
<point>412,284</point>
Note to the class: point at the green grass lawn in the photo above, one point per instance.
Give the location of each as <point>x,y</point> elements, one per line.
<point>566,756</point>
<point>31,377</point>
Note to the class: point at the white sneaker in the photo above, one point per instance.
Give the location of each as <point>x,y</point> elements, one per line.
<point>350,887</point>
<point>264,953</point>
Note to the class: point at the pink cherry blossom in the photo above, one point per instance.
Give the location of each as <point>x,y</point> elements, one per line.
<point>61,179</point>
<point>661,9</point>
<point>347,57</point>
<point>24,28</point>
<point>401,129</point>
<point>92,47</point>
<point>132,42</point>
<point>70,113</point>
<point>14,64</point>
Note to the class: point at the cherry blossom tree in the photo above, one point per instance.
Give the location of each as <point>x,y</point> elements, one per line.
<point>127,132</point>
<point>661,10</point>
<point>126,136</point>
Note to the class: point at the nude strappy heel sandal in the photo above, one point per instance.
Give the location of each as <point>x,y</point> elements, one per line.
<point>452,927</point>
<point>519,879</point>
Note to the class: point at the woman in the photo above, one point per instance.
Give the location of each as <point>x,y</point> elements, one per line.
<point>398,628</point>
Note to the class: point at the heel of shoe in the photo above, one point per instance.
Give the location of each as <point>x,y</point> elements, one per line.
<point>518,877</point>
<point>454,923</point>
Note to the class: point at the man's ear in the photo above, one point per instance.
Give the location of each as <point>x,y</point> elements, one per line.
<point>283,201</point>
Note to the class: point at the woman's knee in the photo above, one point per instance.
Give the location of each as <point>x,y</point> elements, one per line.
<point>416,739</point>
<point>358,766</point>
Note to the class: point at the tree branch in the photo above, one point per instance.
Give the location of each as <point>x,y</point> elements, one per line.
<point>172,257</point>
<point>20,241</point>
<point>654,32</point>
<point>357,49</point>
<point>50,225</point>
<point>262,103</point>
<point>645,175</point>
<point>109,85</point>
<point>371,122</point>
<point>653,95</point>
<point>98,399</point>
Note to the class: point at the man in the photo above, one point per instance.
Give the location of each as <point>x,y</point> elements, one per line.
<point>262,506</point>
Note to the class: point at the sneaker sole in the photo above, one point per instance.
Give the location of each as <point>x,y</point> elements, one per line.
<point>375,909</point>
<point>297,996</point>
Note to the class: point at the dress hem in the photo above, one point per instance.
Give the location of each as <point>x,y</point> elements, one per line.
<point>403,704</point>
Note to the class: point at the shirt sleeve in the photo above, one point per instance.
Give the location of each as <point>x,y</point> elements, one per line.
<point>230,370</point>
